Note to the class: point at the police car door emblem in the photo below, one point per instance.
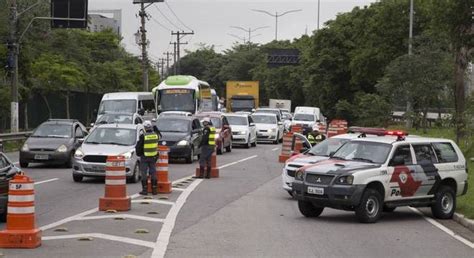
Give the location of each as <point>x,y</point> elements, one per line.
<point>403,178</point>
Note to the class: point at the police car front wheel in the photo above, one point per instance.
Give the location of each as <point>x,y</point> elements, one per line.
<point>370,207</point>
<point>445,203</point>
<point>308,209</point>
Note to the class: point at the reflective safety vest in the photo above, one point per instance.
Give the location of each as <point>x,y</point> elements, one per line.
<point>150,144</point>
<point>212,136</point>
<point>311,139</point>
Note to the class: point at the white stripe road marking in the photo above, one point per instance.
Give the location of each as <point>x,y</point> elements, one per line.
<point>165,233</point>
<point>128,216</point>
<point>46,181</point>
<point>275,149</point>
<point>237,162</point>
<point>443,228</point>
<point>125,240</point>
<point>68,219</point>
<point>153,201</point>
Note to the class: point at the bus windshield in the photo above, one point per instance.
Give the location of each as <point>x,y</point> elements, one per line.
<point>177,100</point>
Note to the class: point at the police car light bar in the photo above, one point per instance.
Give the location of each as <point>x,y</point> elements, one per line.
<point>368,130</point>
<point>396,133</point>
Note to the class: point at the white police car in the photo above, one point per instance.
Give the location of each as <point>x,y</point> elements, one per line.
<point>371,175</point>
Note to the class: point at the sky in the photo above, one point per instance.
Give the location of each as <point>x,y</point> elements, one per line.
<point>211,21</point>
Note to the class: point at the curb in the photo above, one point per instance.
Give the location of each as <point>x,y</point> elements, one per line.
<point>461,219</point>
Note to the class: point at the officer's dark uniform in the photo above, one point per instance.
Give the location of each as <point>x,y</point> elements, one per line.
<point>147,150</point>
<point>207,145</point>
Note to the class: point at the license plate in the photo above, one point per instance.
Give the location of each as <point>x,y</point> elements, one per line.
<point>41,157</point>
<point>98,169</point>
<point>315,190</point>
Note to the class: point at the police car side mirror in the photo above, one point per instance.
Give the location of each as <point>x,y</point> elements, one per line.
<point>397,161</point>
<point>141,111</point>
<point>332,153</point>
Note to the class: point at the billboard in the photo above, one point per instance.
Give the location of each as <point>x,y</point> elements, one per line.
<point>69,9</point>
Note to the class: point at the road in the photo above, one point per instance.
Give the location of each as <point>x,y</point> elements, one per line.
<point>243,213</point>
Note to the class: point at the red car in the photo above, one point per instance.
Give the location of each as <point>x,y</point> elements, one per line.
<point>223,131</point>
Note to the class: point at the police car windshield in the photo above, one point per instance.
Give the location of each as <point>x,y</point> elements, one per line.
<point>325,147</point>
<point>371,152</point>
<point>304,117</point>
<point>261,119</point>
<point>113,136</point>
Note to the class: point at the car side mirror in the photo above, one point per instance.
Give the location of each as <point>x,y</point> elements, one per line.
<point>397,161</point>
<point>81,140</point>
<point>252,124</point>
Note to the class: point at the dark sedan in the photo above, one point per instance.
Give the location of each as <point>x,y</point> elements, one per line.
<point>53,142</point>
<point>182,135</point>
<point>7,171</point>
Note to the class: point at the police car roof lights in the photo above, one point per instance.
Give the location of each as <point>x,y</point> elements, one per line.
<point>400,134</point>
<point>367,130</point>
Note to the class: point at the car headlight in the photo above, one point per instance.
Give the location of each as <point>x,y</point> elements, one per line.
<point>62,148</point>
<point>345,180</point>
<point>25,147</point>
<point>242,132</point>
<point>299,175</point>
<point>183,143</point>
<point>78,154</point>
<point>128,155</point>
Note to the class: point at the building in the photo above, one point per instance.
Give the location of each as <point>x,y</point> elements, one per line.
<point>99,21</point>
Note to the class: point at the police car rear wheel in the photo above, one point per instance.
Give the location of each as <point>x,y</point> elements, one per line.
<point>309,210</point>
<point>370,206</point>
<point>445,203</point>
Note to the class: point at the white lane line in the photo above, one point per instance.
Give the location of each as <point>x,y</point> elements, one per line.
<point>443,228</point>
<point>46,181</point>
<point>68,219</point>
<point>125,240</point>
<point>153,201</point>
<point>275,149</point>
<point>128,216</point>
<point>237,162</point>
<point>178,189</point>
<point>163,239</point>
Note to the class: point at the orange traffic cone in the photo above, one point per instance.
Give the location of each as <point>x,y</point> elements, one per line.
<point>115,186</point>
<point>164,184</point>
<point>286,148</point>
<point>21,231</point>
<point>214,169</point>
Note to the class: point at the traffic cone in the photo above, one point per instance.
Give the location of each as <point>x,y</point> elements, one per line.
<point>286,148</point>
<point>115,186</point>
<point>21,230</point>
<point>164,184</point>
<point>214,169</point>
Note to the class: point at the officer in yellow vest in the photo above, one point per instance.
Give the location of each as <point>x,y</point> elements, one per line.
<point>147,150</point>
<point>207,145</point>
<point>315,136</point>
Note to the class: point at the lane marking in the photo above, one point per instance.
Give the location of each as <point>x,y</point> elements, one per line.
<point>153,201</point>
<point>125,240</point>
<point>275,149</point>
<point>237,162</point>
<point>69,219</point>
<point>46,181</point>
<point>128,216</point>
<point>443,228</point>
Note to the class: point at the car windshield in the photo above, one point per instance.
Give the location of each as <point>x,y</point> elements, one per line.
<point>174,125</point>
<point>327,146</point>
<point>237,120</point>
<point>114,136</point>
<point>371,152</point>
<point>286,116</point>
<point>304,117</point>
<point>53,130</point>
<point>128,106</point>
<point>259,119</point>
<point>115,118</point>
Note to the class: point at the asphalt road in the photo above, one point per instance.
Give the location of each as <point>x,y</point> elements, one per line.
<point>243,213</point>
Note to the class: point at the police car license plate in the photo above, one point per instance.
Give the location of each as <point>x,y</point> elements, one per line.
<point>41,157</point>
<point>315,190</point>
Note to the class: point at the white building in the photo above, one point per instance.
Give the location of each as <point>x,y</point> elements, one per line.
<point>99,20</point>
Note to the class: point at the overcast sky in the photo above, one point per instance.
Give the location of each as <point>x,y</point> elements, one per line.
<point>211,20</point>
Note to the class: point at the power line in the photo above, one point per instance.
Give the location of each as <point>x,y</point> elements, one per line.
<point>177,18</point>
<point>166,17</point>
<point>160,24</point>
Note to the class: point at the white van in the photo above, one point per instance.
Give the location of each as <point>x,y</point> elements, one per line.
<point>141,103</point>
<point>308,116</point>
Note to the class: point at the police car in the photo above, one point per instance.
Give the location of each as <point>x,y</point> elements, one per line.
<point>371,175</point>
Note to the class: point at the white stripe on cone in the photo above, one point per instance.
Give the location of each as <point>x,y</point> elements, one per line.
<point>21,198</point>
<point>115,181</point>
<point>27,186</point>
<point>162,169</point>
<point>115,173</point>
<point>21,210</point>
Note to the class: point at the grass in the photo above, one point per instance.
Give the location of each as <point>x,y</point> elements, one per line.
<point>11,146</point>
<point>465,204</point>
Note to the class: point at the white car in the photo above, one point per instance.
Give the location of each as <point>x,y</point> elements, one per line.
<point>244,131</point>
<point>371,175</point>
<point>275,111</point>
<point>268,127</point>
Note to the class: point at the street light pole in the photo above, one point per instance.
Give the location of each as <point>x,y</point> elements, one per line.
<point>249,31</point>
<point>409,121</point>
<point>14,49</point>
<point>276,15</point>
<point>319,6</point>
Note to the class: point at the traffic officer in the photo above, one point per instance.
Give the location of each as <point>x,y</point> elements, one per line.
<point>147,149</point>
<point>315,136</point>
<point>207,145</point>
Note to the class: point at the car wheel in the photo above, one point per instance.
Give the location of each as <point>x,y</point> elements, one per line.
<point>229,148</point>
<point>69,161</point>
<point>220,150</point>
<point>23,164</point>
<point>77,178</point>
<point>248,143</point>
<point>136,174</point>
<point>277,139</point>
<point>445,203</point>
<point>309,210</point>
<point>388,209</point>
<point>370,207</point>
<point>190,158</point>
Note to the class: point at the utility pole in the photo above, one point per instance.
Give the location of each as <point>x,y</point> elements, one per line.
<point>276,15</point>
<point>174,57</point>
<point>319,6</point>
<point>409,120</point>
<point>162,66</point>
<point>168,59</point>
<point>179,35</point>
<point>13,49</point>
<point>144,44</point>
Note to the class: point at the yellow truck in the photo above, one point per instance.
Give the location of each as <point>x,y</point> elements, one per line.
<point>242,95</point>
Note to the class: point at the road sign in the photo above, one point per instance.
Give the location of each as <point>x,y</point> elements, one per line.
<point>282,57</point>
<point>69,9</point>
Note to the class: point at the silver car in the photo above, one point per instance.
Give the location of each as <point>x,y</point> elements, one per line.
<point>105,140</point>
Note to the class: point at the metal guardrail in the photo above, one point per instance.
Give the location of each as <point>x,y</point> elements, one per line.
<point>5,137</point>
